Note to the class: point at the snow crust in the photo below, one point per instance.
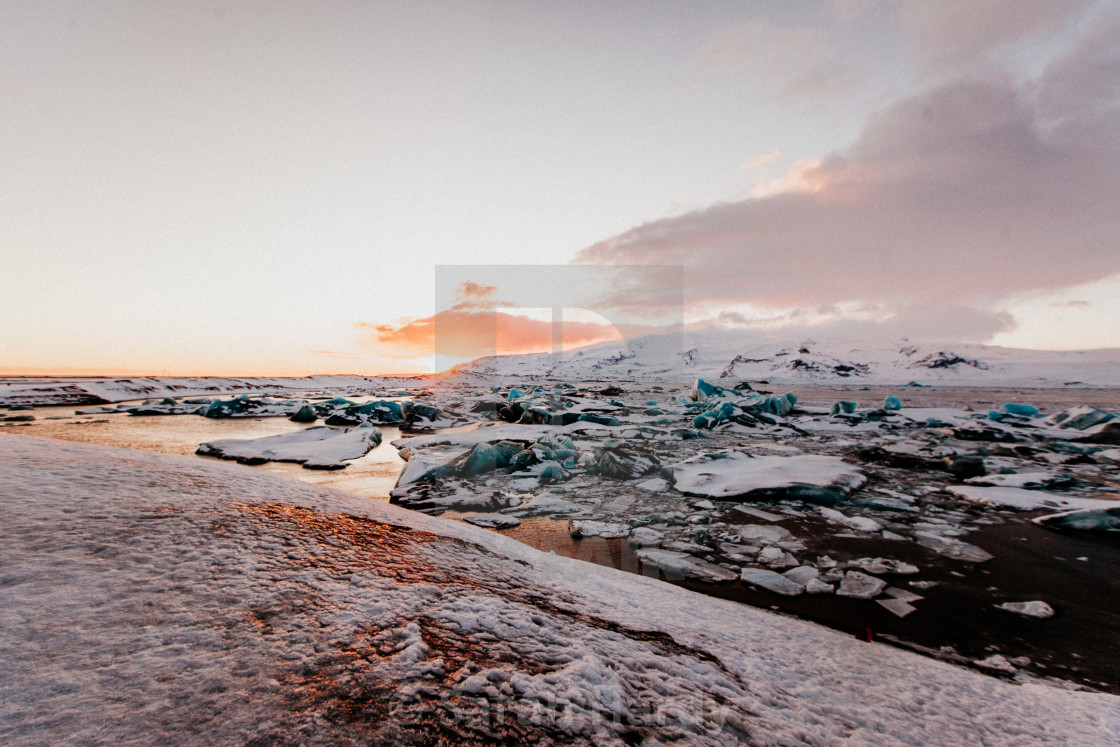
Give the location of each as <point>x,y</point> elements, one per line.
<point>153,599</point>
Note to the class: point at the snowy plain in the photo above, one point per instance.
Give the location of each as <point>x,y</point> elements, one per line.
<point>151,599</point>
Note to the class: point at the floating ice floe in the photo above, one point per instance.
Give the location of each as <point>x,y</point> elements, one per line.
<point>771,581</point>
<point>1026,500</point>
<point>897,607</point>
<point>1034,608</point>
<point>997,662</point>
<point>580,528</point>
<point>951,547</point>
<point>544,504</point>
<point>493,521</point>
<point>884,565</point>
<point>764,532</point>
<point>679,565</point>
<point>318,447</point>
<point>1090,520</point>
<point>859,523</point>
<point>803,574</point>
<point>736,475</point>
<point>645,537</point>
<point>860,586</point>
<point>1028,480</point>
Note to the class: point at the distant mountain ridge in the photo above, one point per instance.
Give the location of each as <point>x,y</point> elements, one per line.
<point>729,356</point>
<point>722,356</point>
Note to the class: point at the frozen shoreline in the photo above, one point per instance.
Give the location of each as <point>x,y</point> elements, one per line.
<point>151,597</point>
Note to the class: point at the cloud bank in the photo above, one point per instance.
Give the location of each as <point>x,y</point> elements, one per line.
<point>970,191</point>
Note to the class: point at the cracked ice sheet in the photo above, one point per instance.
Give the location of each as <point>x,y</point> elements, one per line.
<point>223,604</point>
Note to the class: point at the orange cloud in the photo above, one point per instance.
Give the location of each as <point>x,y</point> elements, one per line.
<point>469,334</point>
<point>471,295</point>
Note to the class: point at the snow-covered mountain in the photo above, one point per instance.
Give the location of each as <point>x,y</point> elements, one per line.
<point>723,356</point>
<point>731,356</point>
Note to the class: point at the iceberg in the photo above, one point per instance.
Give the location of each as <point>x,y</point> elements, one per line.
<point>701,390</point>
<point>305,414</point>
<point>844,407</point>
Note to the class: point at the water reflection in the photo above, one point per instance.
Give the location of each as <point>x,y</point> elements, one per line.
<point>371,476</point>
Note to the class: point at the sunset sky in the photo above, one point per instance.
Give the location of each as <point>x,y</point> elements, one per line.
<point>269,187</point>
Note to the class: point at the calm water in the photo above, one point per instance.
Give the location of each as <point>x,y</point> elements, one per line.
<point>372,476</point>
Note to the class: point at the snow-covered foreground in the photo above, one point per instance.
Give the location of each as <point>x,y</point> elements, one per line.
<point>152,599</point>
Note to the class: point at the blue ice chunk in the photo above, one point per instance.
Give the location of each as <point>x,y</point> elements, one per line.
<point>650,403</point>
<point>780,405</point>
<point>514,394</point>
<point>701,390</point>
<point>996,415</point>
<point>618,402</point>
<point>844,407</point>
<point>305,414</point>
<point>385,410</point>
<point>892,403</point>
<point>483,458</point>
<point>600,419</point>
<point>703,421</point>
<point>1026,411</point>
<point>552,473</point>
<point>427,412</point>
<point>226,408</point>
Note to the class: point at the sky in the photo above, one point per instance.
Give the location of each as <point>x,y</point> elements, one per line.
<point>280,187</point>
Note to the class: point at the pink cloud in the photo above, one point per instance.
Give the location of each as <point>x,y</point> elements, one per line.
<point>965,193</point>
<point>951,33</point>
